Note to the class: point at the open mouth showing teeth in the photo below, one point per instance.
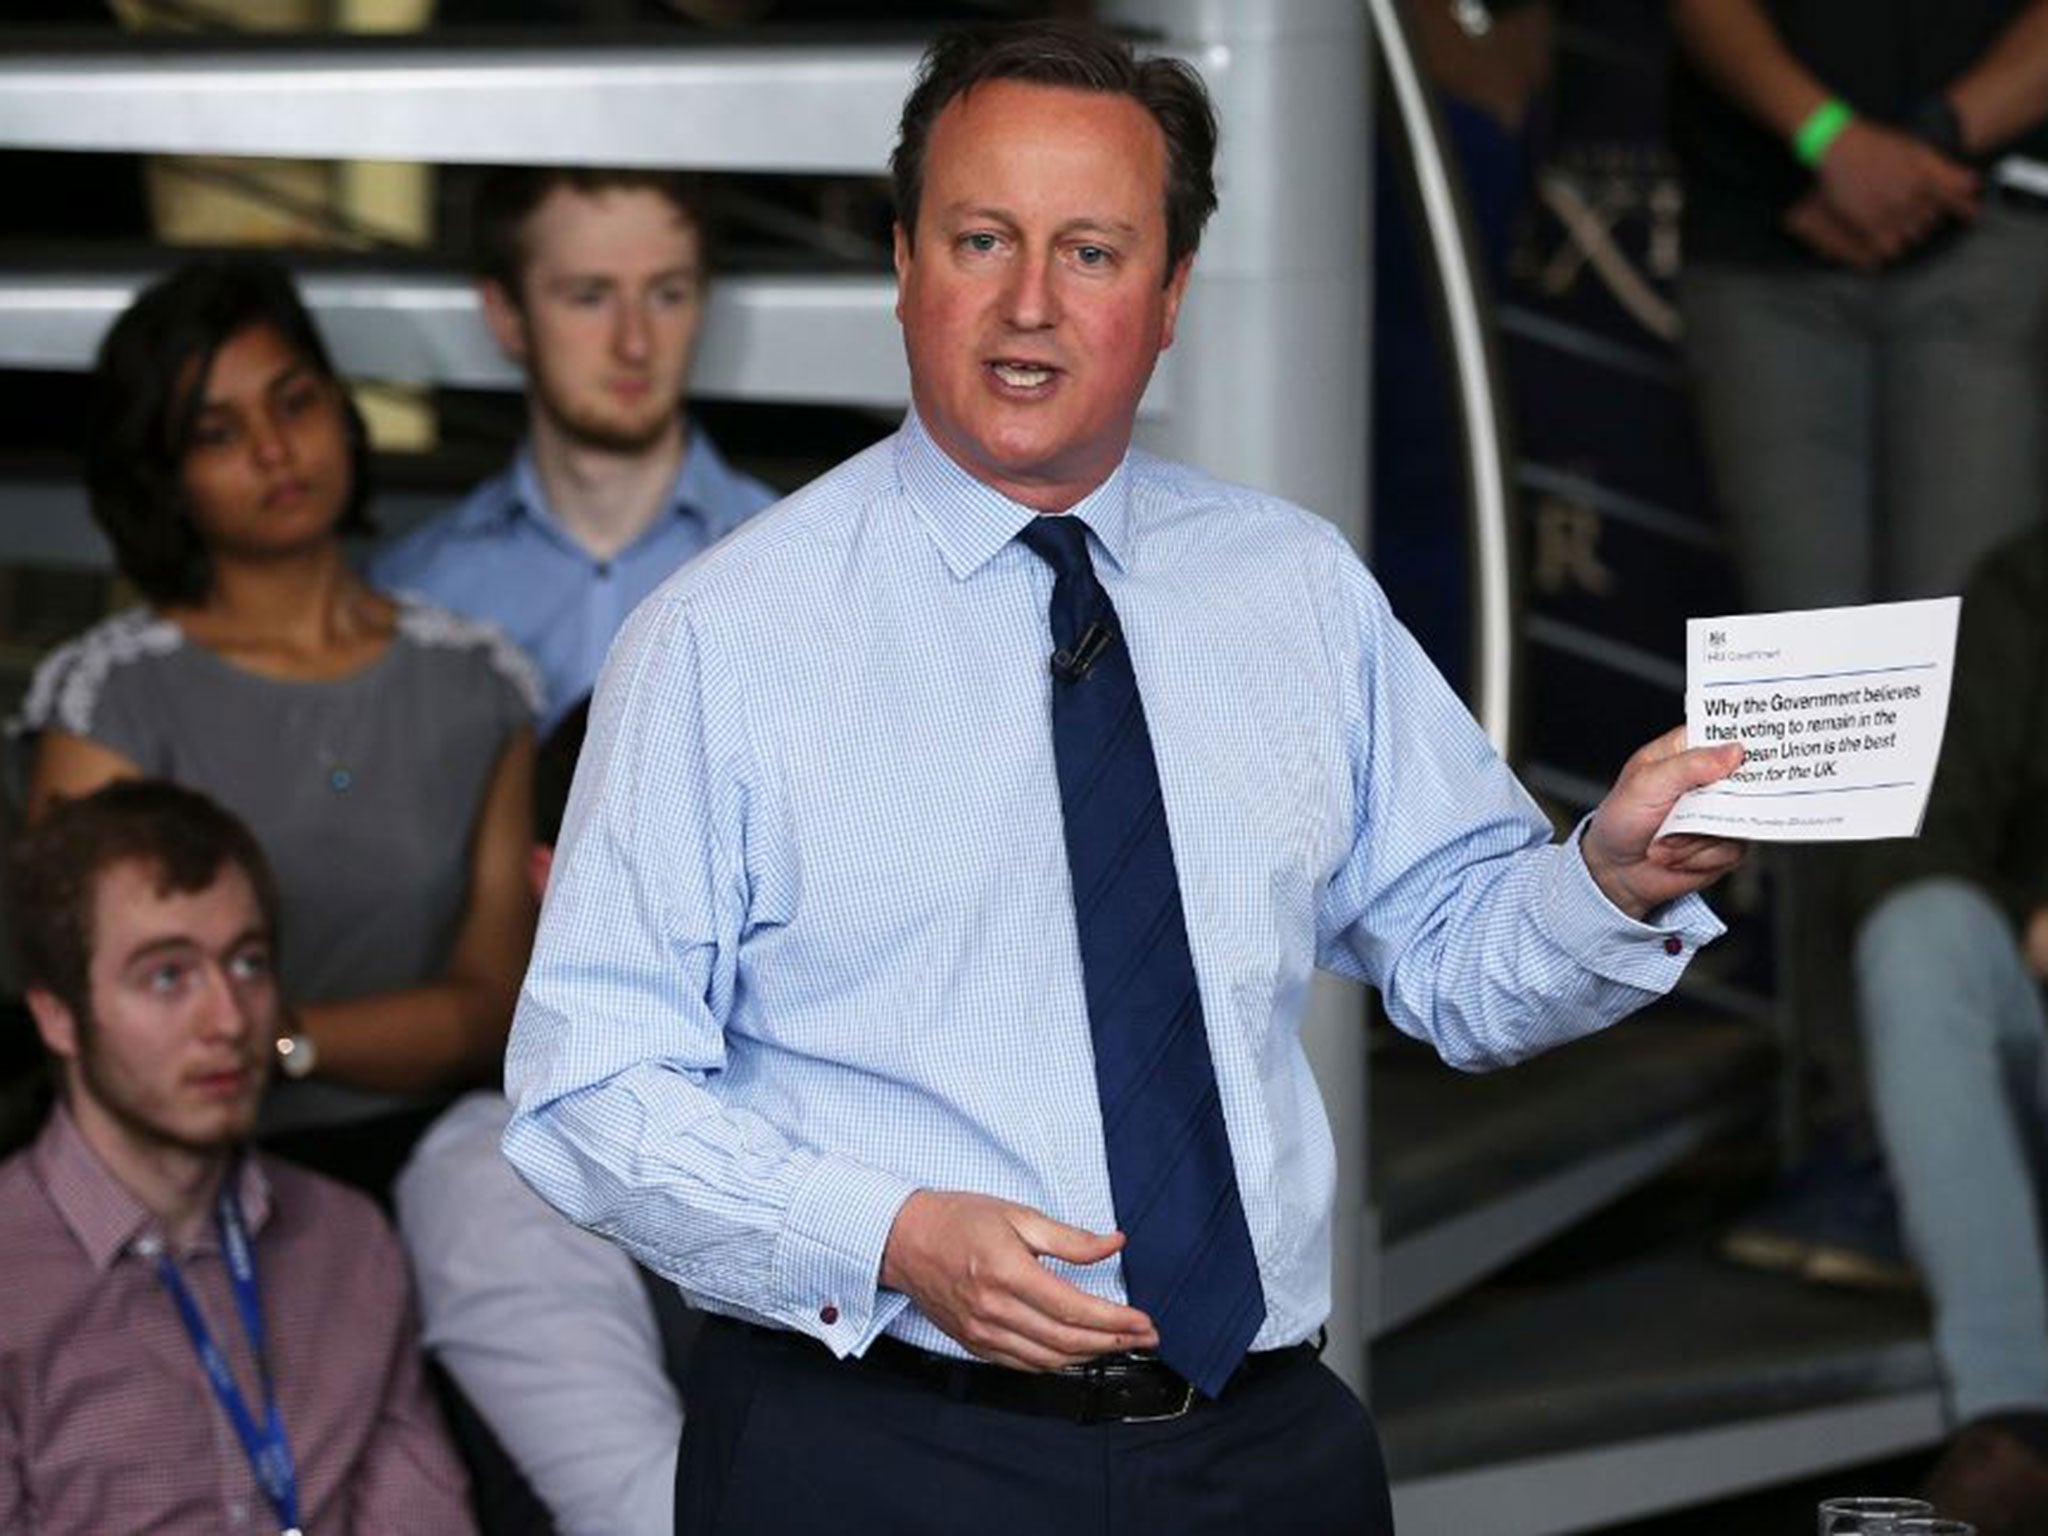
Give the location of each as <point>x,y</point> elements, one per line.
<point>1021,375</point>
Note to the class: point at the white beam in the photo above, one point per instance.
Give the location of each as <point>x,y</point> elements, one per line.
<point>790,108</point>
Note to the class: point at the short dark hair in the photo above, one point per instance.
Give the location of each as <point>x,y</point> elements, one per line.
<point>54,871</point>
<point>507,196</point>
<point>554,770</point>
<point>1079,57</point>
<point>149,387</point>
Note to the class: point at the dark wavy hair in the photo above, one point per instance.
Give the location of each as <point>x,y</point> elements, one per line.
<point>1078,57</point>
<point>149,389</point>
<point>54,870</point>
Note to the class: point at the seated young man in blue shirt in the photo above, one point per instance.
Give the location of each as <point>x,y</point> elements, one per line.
<point>593,282</point>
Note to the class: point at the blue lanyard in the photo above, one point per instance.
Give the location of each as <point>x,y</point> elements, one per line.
<point>269,1452</point>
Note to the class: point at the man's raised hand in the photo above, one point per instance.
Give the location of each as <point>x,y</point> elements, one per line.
<point>1634,868</point>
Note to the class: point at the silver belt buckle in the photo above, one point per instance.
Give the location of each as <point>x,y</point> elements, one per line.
<point>1187,1403</point>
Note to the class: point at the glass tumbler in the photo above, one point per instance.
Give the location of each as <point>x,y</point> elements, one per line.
<point>1870,1516</point>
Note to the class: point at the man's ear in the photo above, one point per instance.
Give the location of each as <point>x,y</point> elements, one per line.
<point>540,863</point>
<point>902,239</point>
<point>507,322</point>
<point>1176,290</point>
<point>55,1022</point>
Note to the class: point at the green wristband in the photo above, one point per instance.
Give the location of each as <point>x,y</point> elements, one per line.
<point>1817,135</point>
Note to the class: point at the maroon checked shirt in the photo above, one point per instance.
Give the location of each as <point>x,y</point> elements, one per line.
<point>107,1422</point>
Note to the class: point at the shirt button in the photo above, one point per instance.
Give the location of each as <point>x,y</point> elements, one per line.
<point>1673,944</point>
<point>604,570</point>
<point>828,1314</point>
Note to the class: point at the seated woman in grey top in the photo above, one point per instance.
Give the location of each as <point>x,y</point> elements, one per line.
<point>381,750</point>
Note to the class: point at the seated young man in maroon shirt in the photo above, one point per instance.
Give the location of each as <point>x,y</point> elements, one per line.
<point>196,1336</point>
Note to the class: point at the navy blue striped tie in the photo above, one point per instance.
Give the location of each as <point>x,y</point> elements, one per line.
<point>1188,1260</point>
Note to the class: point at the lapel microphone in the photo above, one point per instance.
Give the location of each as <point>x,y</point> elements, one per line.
<point>1072,666</point>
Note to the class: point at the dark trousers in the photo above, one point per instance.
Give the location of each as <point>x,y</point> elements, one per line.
<point>781,1438</point>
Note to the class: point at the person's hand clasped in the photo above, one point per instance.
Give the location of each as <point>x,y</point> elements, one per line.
<point>1881,193</point>
<point>1814,222</point>
<point>1634,868</point>
<point>971,1263</point>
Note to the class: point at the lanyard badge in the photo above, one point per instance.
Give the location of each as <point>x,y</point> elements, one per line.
<point>269,1452</point>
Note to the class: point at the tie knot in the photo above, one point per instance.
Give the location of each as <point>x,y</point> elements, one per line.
<point>1061,540</point>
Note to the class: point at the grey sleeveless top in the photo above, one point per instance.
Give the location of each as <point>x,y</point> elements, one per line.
<point>363,791</point>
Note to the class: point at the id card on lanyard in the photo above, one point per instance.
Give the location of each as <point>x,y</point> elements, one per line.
<point>269,1452</point>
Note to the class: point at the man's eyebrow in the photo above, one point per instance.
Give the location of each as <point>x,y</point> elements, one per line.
<point>966,210</point>
<point>1117,227</point>
<point>688,272</point>
<point>1121,228</point>
<point>172,943</point>
<point>151,948</point>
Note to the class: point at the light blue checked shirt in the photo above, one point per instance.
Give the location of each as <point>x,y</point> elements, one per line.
<point>502,557</point>
<point>810,940</point>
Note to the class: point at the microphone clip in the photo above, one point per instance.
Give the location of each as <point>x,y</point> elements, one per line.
<point>1070,666</point>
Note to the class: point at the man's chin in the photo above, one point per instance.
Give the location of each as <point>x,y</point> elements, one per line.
<point>614,434</point>
<point>217,1126</point>
<point>220,1133</point>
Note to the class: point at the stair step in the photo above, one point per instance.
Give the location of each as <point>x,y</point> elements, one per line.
<point>1471,1171</point>
<point>1550,1403</point>
<point>1675,1339</point>
<point>1445,1141</point>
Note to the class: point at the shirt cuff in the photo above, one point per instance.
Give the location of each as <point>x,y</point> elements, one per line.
<point>828,1260</point>
<point>1581,921</point>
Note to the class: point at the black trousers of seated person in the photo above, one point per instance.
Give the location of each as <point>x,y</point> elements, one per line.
<point>780,1439</point>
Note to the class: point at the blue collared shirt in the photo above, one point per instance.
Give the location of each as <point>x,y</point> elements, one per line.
<point>501,556</point>
<point>810,940</point>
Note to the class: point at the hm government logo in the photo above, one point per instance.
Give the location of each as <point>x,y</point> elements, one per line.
<point>1716,648</point>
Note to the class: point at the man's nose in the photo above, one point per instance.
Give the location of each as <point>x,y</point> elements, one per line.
<point>232,1009</point>
<point>1031,296</point>
<point>632,331</point>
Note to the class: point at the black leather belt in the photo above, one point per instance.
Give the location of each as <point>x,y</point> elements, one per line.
<point>1114,1389</point>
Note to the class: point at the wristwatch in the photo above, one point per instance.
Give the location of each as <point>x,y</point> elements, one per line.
<point>1934,122</point>
<point>296,1056</point>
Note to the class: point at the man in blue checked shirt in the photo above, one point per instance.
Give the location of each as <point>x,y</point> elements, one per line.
<point>929,1014</point>
<point>593,281</point>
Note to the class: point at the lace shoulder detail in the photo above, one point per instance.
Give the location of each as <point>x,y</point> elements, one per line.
<point>67,685</point>
<point>432,627</point>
